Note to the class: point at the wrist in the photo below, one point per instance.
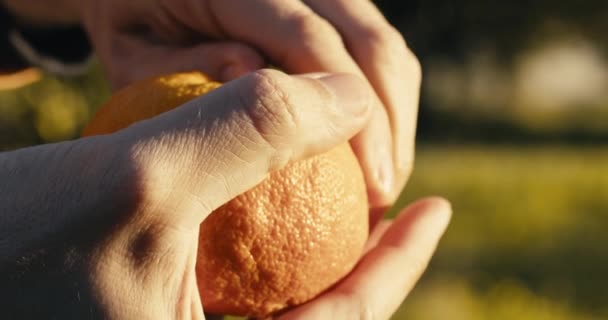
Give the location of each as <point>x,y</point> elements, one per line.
<point>60,190</point>
<point>65,201</point>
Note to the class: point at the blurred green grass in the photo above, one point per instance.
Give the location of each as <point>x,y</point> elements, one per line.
<point>527,239</point>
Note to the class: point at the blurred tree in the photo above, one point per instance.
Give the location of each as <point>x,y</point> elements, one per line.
<point>459,31</point>
<point>454,28</point>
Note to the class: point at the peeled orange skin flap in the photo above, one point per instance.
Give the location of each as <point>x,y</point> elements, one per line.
<point>281,243</point>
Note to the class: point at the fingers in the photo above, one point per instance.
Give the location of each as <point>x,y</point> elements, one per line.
<point>302,41</point>
<point>376,234</point>
<point>329,36</point>
<point>388,64</point>
<point>375,216</point>
<point>134,58</point>
<point>226,142</point>
<point>389,271</point>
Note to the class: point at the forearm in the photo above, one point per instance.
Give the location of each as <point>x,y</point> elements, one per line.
<point>46,12</point>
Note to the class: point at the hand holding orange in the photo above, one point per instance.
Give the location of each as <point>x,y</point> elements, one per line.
<point>211,227</point>
<point>277,245</point>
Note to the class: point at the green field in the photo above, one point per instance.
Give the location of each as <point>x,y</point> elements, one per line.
<point>527,240</point>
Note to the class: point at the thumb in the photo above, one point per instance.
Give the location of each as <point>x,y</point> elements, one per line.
<point>224,143</point>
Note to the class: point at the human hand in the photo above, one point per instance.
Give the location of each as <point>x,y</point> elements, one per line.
<point>409,242</point>
<point>397,254</point>
<point>119,239</point>
<point>227,38</point>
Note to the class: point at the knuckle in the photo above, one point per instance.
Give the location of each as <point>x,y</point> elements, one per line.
<point>384,39</point>
<point>311,30</point>
<point>382,36</point>
<point>270,109</point>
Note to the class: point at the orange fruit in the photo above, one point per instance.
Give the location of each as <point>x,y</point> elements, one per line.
<point>277,245</point>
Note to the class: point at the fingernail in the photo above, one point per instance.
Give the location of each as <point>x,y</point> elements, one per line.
<point>350,92</point>
<point>385,173</point>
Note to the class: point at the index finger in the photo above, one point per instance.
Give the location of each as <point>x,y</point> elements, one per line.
<point>289,32</point>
